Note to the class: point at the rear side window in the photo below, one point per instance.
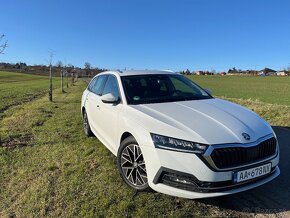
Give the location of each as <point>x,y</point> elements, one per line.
<point>112,86</point>
<point>98,86</point>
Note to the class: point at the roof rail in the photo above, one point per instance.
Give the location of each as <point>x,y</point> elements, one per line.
<point>169,71</point>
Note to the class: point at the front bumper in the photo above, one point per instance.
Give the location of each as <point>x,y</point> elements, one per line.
<point>210,183</point>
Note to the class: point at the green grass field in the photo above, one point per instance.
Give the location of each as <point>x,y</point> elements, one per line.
<point>16,88</point>
<point>50,169</point>
<point>270,89</point>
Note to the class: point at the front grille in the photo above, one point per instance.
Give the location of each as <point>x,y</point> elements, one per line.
<point>237,156</point>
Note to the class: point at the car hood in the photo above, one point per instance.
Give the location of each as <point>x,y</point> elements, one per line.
<point>210,121</point>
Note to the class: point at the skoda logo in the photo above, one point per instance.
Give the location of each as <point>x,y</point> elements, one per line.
<point>246,136</point>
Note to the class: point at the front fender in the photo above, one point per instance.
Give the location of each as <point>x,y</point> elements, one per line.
<point>83,101</point>
<point>141,135</point>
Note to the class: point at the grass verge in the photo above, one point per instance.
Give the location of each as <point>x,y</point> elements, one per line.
<point>275,114</point>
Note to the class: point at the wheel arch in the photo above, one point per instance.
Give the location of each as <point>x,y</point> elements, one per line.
<point>126,135</point>
<point>83,110</point>
<point>132,128</point>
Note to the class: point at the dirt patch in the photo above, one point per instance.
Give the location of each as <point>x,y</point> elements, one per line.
<point>47,113</point>
<point>38,123</point>
<point>24,101</point>
<point>16,142</point>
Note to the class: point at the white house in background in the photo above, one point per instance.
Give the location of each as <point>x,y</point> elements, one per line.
<point>267,72</point>
<point>282,73</point>
<point>261,73</point>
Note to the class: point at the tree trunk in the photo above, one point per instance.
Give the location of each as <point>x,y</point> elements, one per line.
<point>72,79</point>
<point>67,80</point>
<point>61,74</point>
<point>50,85</point>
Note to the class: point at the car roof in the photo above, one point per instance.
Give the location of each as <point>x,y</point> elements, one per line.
<point>138,72</point>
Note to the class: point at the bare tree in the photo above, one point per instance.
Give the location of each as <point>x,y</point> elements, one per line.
<point>87,68</point>
<point>62,73</point>
<point>59,64</point>
<point>73,77</point>
<point>50,76</point>
<point>69,70</point>
<point>66,79</point>
<point>70,66</point>
<point>3,45</point>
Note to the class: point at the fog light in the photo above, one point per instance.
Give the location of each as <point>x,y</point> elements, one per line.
<point>178,179</point>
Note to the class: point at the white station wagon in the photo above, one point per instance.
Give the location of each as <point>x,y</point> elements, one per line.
<point>173,136</point>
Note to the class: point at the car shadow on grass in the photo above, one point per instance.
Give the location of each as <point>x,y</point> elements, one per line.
<point>271,198</point>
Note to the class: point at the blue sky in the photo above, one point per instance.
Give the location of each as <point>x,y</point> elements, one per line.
<point>139,34</point>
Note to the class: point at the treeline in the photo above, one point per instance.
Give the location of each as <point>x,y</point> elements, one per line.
<point>86,71</point>
<point>233,71</point>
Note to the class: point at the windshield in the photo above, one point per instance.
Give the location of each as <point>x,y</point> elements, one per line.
<point>158,88</point>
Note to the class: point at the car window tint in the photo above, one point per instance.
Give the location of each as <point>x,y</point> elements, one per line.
<point>112,86</point>
<point>146,89</point>
<point>92,83</point>
<point>180,86</point>
<point>138,88</point>
<point>99,84</point>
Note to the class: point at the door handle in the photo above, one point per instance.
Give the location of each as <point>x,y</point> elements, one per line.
<point>98,107</point>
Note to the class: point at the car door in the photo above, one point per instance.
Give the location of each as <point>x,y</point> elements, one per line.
<point>109,113</point>
<point>93,103</point>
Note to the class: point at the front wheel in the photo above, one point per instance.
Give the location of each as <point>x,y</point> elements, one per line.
<point>131,164</point>
<point>86,125</point>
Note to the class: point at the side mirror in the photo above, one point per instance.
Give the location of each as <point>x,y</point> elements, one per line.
<point>109,98</point>
<point>209,91</point>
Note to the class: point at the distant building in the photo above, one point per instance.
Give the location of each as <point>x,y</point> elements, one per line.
<point>261,74</point>
<point>199,72</point>
<point>267,72</point>
<point>282,73</point>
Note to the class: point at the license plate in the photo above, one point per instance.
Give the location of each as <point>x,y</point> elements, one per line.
<point>252,173</point>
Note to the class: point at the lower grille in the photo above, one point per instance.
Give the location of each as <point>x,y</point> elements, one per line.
<point>237,156</point>
<point>189,182</point>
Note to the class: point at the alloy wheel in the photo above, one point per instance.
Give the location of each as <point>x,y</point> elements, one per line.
<point>85,123</point>
<point>133,165</point>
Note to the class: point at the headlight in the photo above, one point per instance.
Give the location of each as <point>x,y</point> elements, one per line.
<point>169,143</point>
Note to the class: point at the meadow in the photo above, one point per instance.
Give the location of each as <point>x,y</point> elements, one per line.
<point>17,88</point>
<point>50,169</point>
<point>269,89</point>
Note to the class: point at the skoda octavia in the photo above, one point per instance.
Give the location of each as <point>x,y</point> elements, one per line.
<point>173,136</point>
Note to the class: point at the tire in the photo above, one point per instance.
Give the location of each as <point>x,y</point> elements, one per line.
<point>86,125</point>
<point>131,165</point>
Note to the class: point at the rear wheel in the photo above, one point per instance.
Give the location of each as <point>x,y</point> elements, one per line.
<point>86,125</point>
<point>131,164</point>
